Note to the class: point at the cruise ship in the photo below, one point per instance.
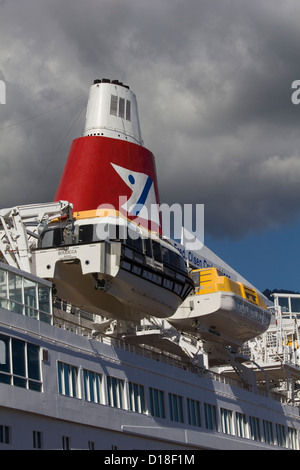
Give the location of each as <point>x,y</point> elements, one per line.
<point>114,337</point>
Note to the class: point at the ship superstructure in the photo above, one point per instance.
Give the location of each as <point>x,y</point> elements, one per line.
<point>111,331</point>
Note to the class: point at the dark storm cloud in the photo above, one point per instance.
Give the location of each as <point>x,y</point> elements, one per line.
<point>213,82</point>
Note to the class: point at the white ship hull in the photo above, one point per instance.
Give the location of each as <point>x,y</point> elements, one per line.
<point>71,417</point>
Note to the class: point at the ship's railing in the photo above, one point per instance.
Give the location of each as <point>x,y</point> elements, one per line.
<point>25,294</point>
<point>80,326</point>
<point>289,304</point>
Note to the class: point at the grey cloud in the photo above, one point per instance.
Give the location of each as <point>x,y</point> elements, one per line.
<point>213,85</point>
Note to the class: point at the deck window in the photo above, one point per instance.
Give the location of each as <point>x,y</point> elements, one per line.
<point>157,403</point>
<point>281,435</point>
<point>241,424</point>
<point>20,363</point>
<point>176,408</point>
<point>293,441</point>
<point>4,434</point>
<point>37,439</point>
<point>136,398</point>
<point>193,412</point>
<point>268,432</point>
<point>115,392</point>
<point>68,380</point>
<point>92,386</point>
<point>210,412</point>
<point>254,428</point>
<point>226,421</point>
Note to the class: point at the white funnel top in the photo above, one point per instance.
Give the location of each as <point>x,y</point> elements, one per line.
<point>112,112</point>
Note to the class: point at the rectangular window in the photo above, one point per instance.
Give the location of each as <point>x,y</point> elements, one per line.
<point>5,363</point>
<point>30,298</point>
<point>293,441</point>
<point>121,107</point>
<point>115,392</point>
<point>281,435</point>
<point>37,439</point>
<point>136,398</point>
<point>92,386</point>
<point>157,403</point>
<point>176,408</point>
<point>33,367</point>
<point>193,412</point>
<point>3,289</point>
<point>114,105</point>
<point>254,428</point>
<point>68,380</point>
<point>4,434</point>
<point>86,233</point>
<point>128,110</point>
<point>20,363</point>
<point>22,295</point>
<point>91,445</point>
<point>210,412</point>
<point>157,254</point>
<point>66,443</point>
<point>241,424</point>
<point>268,432</point>
<point>15,292</point>
<point>44,297</point>
<point>226,421</point>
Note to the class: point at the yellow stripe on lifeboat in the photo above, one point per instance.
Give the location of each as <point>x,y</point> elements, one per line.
<point>221,309</point>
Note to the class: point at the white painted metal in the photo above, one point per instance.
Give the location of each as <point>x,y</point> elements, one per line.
<point>112,112</point>
<point>19,228</point>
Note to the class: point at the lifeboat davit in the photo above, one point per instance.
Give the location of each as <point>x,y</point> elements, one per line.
<point>221,310</point>
<point>110,258</point>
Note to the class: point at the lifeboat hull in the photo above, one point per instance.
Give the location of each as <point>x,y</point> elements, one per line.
<point>96,278</point>
<point>222,317</point>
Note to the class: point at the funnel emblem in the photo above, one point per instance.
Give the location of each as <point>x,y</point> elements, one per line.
<point>142,203</point>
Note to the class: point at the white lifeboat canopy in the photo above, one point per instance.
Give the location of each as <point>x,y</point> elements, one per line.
<point>112,112</point>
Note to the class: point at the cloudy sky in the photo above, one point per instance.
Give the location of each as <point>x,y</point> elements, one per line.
<point>213,81</point>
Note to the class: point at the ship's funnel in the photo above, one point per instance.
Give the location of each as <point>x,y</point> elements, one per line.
<point>112,112</point>
<point>109,166</point>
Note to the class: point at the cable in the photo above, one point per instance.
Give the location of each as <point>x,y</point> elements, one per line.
<point>42,114</point>
<point>58,148</point>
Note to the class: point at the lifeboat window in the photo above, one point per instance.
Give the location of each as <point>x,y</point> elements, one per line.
<point>177,261</point>
<point>157,255</point>
<point>148,247</point>
<point>182,263</point>
<point>134,240</point>
<point>47,238</point>
<point>58,236</point>
<point>177,288</point>
<point>86,233</point>
<point>117,232</point>
<point>166,255</point>
<point>168,284</point>
<point>196,278</point>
